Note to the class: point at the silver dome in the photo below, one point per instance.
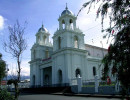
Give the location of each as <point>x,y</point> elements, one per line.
<point>66,11</point>
<point>42,29</point>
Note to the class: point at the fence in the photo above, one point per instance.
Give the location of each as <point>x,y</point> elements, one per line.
<point>94,86</point>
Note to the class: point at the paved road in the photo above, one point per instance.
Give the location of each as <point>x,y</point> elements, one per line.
<point>59,97</point>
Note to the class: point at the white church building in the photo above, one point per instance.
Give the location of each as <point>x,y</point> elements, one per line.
<point>69,56</point>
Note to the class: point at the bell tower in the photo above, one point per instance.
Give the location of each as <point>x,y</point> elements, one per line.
<point>42,36</point>
<point>43,47</point>
<point>68,35</point>
<point>67,20</point>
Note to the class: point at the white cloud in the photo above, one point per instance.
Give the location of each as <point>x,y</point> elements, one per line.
<point>1,22</point>
<point>91,26</point>
<point>25,69</point>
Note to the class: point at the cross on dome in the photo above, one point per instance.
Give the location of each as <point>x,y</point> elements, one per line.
<point>66,11</point>
<point>42,29</point>
<point>66,6</point>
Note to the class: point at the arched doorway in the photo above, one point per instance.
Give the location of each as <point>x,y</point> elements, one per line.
<point>60,76</point>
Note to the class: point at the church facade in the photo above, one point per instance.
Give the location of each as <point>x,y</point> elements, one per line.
<point>67,58</point>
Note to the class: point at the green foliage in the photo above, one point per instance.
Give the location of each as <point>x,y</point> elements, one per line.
<point>119,52</point>
<point>5,95</point>
<point>2,68</point>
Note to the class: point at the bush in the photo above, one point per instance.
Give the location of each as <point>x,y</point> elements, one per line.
<point>5,95</point>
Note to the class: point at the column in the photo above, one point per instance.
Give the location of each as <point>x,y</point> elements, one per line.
<point>42,77</point>
<point>96,83</point>
<point>79,82</point>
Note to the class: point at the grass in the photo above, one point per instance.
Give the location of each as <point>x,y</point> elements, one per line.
<point>100,84</point>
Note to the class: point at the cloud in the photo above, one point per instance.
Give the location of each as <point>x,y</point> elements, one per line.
<point>1,22</point>
<point>25,69</point>
<point>91,26</point>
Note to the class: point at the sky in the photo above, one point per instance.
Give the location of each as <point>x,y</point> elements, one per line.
<point>36,12</point>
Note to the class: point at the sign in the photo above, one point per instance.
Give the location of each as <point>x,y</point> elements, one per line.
<point>3,82</point>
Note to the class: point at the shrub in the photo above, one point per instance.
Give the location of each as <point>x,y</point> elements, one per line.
<point>5,95</point>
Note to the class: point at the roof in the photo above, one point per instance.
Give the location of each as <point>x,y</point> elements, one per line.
<point>42,29</point>
<point>66,11</point>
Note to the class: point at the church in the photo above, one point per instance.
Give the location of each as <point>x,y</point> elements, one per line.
<point>68,57</point>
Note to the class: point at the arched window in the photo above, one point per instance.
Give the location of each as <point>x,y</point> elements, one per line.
<point>89,53</point>
<point>94,71</point>
<point>47,54</point>
<point>39,39</point>
<point>45,39</point>
<point>77,72</point>
<point>76,42</point>
<point>63,24</point>
<point>71,23</point>
<point>59,42</point>
<point>60,76</point>
<point>33,80</point>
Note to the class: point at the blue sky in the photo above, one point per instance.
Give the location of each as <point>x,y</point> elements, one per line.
<point>36,12</point>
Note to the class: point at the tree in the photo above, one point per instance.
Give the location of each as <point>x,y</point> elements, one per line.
<point>2,68</point>
<point>5,95</point>
<point>119,52</point>
<point>16,45</point>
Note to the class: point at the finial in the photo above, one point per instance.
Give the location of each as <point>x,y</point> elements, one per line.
<point>66,6</point>
<point>42,24</point>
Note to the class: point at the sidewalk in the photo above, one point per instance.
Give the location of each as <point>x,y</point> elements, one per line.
<point>90,95</point>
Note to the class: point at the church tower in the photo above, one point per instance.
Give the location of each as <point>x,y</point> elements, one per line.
<point>42,37</point>
<point>68,49</point>
<point>42,45</point>
<point>41,50</point>
<point>68,35</point>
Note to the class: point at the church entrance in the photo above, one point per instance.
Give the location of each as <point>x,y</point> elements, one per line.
<point>47,75</point>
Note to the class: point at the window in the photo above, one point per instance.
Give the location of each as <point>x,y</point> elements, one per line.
<point>38,39</point>
<point>60,76</point>
<point>45,39</point>
<point>77,72</point>
<point>76,42</point>
<point>63,24</point>
<point>71,23</point>
<point>47,54</point>
<point>94,71</point>
<point>59,42</point>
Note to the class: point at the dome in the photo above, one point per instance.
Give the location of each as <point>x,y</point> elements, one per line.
<point>42,29</point>
<point>66,11</point>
